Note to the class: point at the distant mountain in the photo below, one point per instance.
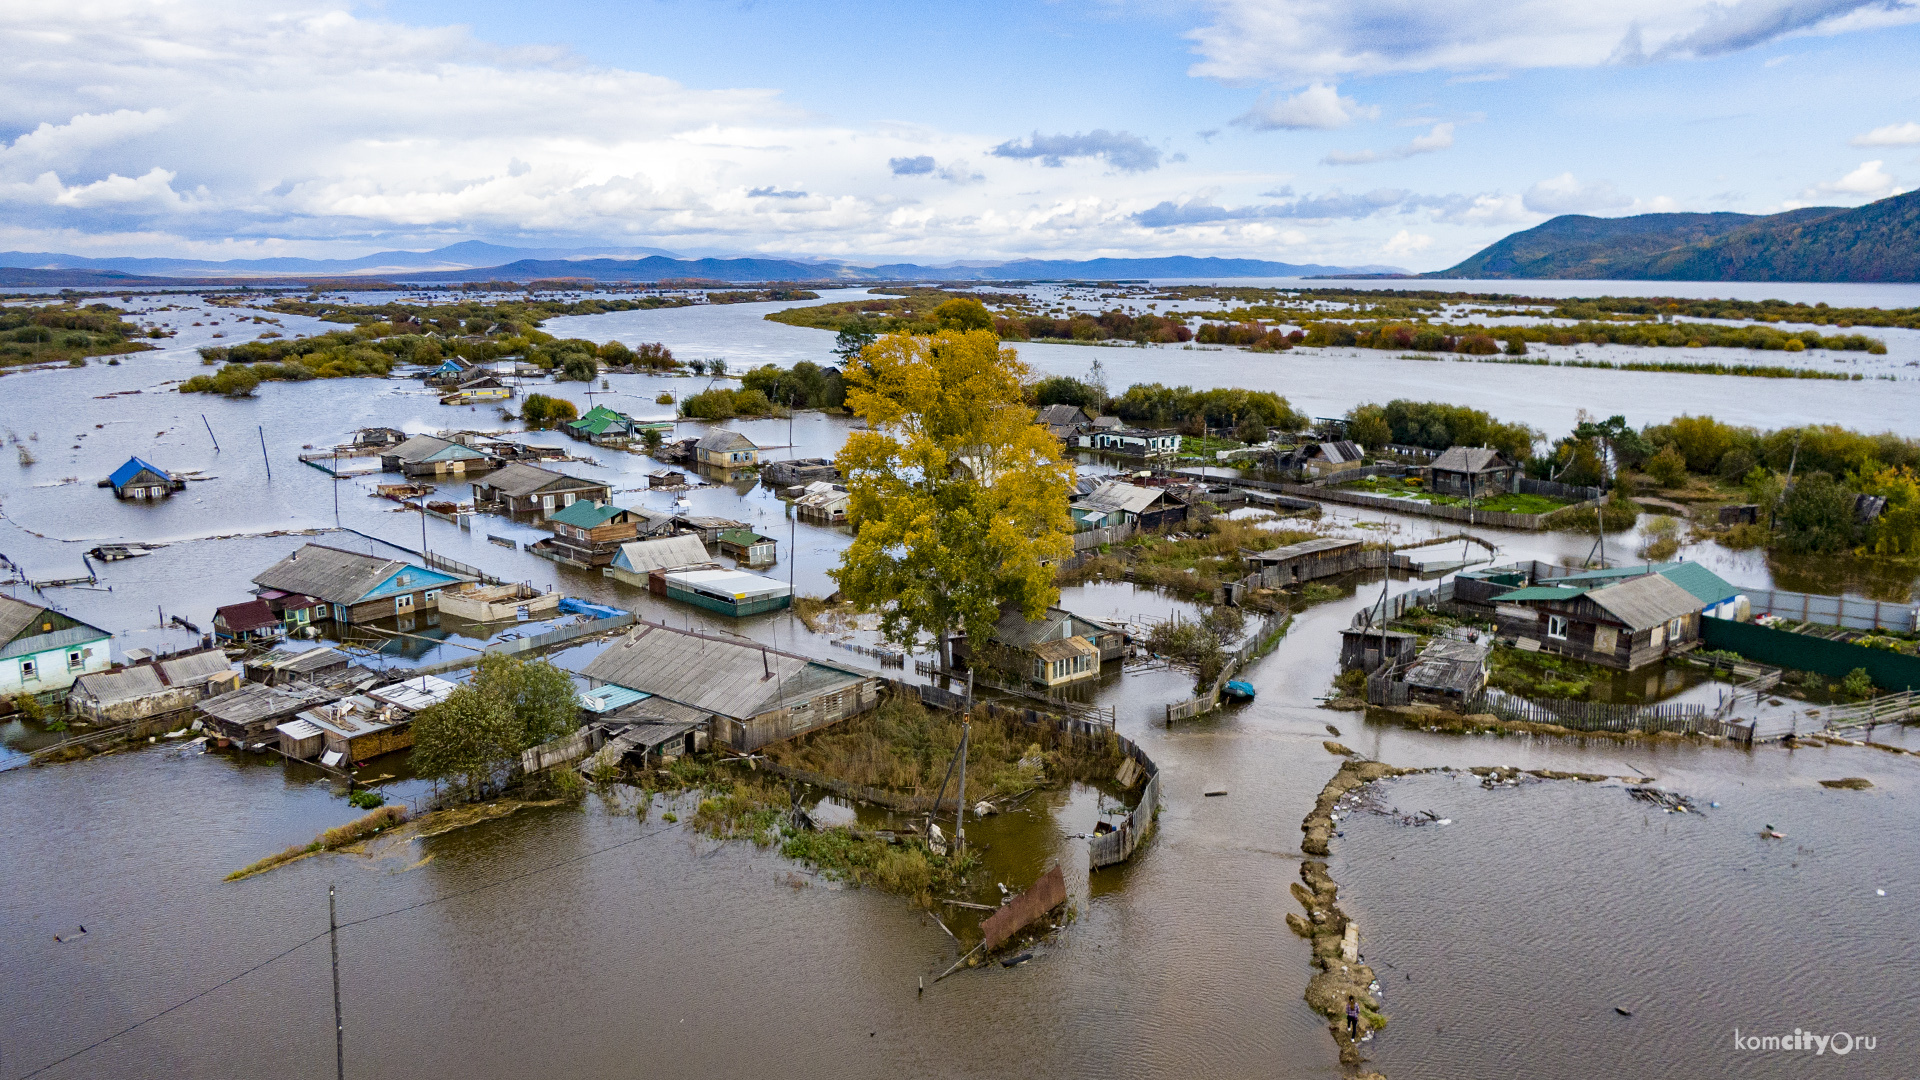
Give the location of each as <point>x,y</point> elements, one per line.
<point>1173,266</point>
<point>77,279</point>
<point>655,269</point>
<point>1876,242</point>
<point>464,255</point>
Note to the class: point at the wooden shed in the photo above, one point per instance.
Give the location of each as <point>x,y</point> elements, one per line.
<point>746,547</point>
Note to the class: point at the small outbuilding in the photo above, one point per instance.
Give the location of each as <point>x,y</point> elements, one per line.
<point>253,620</point>
<point>635,561</point>
<point>746,547</point>
<point>729,592</point>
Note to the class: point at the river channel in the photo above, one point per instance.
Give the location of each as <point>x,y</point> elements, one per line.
<point>593,942</point>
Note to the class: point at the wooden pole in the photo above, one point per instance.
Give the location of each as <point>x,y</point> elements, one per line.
<point>263,451</point>
<point>339,1028</point>
<point>210,434</point>
<point>960,812</point>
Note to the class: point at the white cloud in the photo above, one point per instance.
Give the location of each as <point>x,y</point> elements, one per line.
<point>1869,182</point>
<point>1298,42</point>
<point>1406,243</point>
<point>1907,134</point>
<point>1439,137</point>
<point>1564,194</point>
<point>1491,209</point>
<point>1319,107</point>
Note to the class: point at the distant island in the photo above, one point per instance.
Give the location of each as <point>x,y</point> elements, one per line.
<point>1876,242</point>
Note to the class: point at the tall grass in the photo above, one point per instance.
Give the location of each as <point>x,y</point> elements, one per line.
<point>351,833</point>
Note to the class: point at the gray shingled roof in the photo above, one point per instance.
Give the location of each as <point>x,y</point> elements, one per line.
<point>17,616</point>
<point>1114,495</point>
<point>131,684</point>
<point>1468,459</point>
<point>1304,548</point>
<point>521,479</point>
<point>722,441</point>
<point>737,681</point>
<point>328,573</point>
<point>1645,602</point>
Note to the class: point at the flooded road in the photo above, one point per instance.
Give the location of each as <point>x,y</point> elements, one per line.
<point>596,942</point>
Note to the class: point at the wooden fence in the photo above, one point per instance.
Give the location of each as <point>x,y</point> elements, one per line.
<point>1599,716</point>
<point>1256,645</point>
<point>1397,606</point>
<point>1111,534</point>
<point>1470,515</point>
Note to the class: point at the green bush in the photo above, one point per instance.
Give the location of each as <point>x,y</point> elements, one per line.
<point>366,799</point>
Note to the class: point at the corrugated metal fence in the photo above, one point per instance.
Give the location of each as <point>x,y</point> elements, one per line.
<point>1847,611</point>
<point>1802,652</point>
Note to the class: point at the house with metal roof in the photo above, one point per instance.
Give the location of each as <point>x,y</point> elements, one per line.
<point>253,620</point>
<point>142,479</point>
<point>42,651</point>
<point>726,450</point>
<point>528,489</point>
<point>636,560</point>
<point>1626,624</point>
<point>1470,471</point>
<point>1064,422</point>
<point>823,503</point>
<point>153,689</point>
<point>751,695</point>
<point>1058,647</point>
<point>1114,502</point>
<point>1134,442</point>
<point>729,592</point>
<point>608,427</point>
<point>481,388</point>
<point>429,455</point>
<point>356,587</point>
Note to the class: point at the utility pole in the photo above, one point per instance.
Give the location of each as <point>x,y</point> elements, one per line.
<point>210,434</point>
<point>339,1028</point>
<point>263,451</point>
<point>336,487</point>
<point>960,811</point>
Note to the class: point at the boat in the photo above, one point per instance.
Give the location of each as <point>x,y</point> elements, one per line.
<point>116,552</point>
<point>1238,690</point>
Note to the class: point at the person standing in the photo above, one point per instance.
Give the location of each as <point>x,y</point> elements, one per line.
<point>1353,1018</point>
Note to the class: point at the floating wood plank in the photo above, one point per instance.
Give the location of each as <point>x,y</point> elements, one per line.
<point>1023,910</point>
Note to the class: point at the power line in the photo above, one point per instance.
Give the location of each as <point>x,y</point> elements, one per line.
<point>356,922</point>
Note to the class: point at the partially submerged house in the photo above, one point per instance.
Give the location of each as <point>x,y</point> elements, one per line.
<point>43,651</point>
<point>1451,669</point>
<point>726,450</point>
<point>429,455</point>
<point>823,504</point>
<point>528,489</point>
<point>729,592</point>
<point>250,714</point>
<point>356,588</point>
<point>1308,560</point>
<point>589,534</point>
<point>784,474</point>
<point>141,479</point>
<point>477,389</point>
<point>500,603</point>
<point>247,622</point>
<point>746,547</point>
<point>1114,502</point>
<point>1368,648</point>
<point>706,527</point>
<point>602,426</point>
<point>750,695</point>
<point>636,560</point>
<point>1059,647</point>
<point>152,689</point>
<point>1471,471</point>
<point>321,665</point>
<point>1625,625</point>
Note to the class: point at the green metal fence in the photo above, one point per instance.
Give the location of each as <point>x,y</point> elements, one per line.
<point>1834,659</point>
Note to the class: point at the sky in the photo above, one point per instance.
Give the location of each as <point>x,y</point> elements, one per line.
<point>1347,132</point>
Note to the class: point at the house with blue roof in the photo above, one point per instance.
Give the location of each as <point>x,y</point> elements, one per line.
<point>357,588</point>
<point>142,479</point>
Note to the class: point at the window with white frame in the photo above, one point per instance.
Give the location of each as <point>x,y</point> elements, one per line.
<point>29,670</point>
<point>75,661</point>
<point>1557,627</point>
<point>403,602</point>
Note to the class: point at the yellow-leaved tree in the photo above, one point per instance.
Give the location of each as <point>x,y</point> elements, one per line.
<point>960,499</point>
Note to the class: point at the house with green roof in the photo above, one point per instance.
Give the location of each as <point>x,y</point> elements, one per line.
<point>588,534</point>
<point>746,547</point>
<point>608,427</point>
<point>1624,617</point>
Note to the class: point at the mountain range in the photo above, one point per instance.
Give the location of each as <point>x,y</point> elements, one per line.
<point>477,261</point>
<point>1876,242</point>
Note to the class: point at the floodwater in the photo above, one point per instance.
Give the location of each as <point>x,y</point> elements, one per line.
<point>594,942</point>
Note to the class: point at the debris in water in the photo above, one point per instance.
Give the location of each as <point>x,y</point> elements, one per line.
<point>1213,794</point>
<point>82,932</point>
<point>1623,1012</point>
<point>1016,961</point>
<point>1671,801</point>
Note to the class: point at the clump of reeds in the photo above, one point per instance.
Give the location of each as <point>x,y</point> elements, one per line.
<point>351,833</point>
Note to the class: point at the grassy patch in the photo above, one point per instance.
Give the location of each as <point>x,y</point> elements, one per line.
<point>1504,503</point>
<point>1543,675</point>
<point>351,833</point>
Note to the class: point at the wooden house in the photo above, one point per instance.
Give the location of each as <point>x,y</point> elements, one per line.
<point>141,479</point>
<point>43,651</point>
<point>428,455</point>
<point>751,695</point>
<point>1366,648</point>
<point>666,478</point>
<point>1321,458</point>
<point>1064,422</point>
<point>1308,560</point>
<point>726,450</point>
<point>499,603</point>
<point>528,489</point>
<point>602,426</point>
<point>1470,471</point>
<point>1451,669</point>
<point>357,588</point>
<point>589,534</point>
<point>1626,625</point>
<point>153,689</point>
<point>746,547</point>
<point>247,622</point>
<point>707,527</point>
<point>250,714</point>
<point>358,728</point>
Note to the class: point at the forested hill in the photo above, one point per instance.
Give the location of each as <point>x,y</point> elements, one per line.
<point>1876,242</point>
